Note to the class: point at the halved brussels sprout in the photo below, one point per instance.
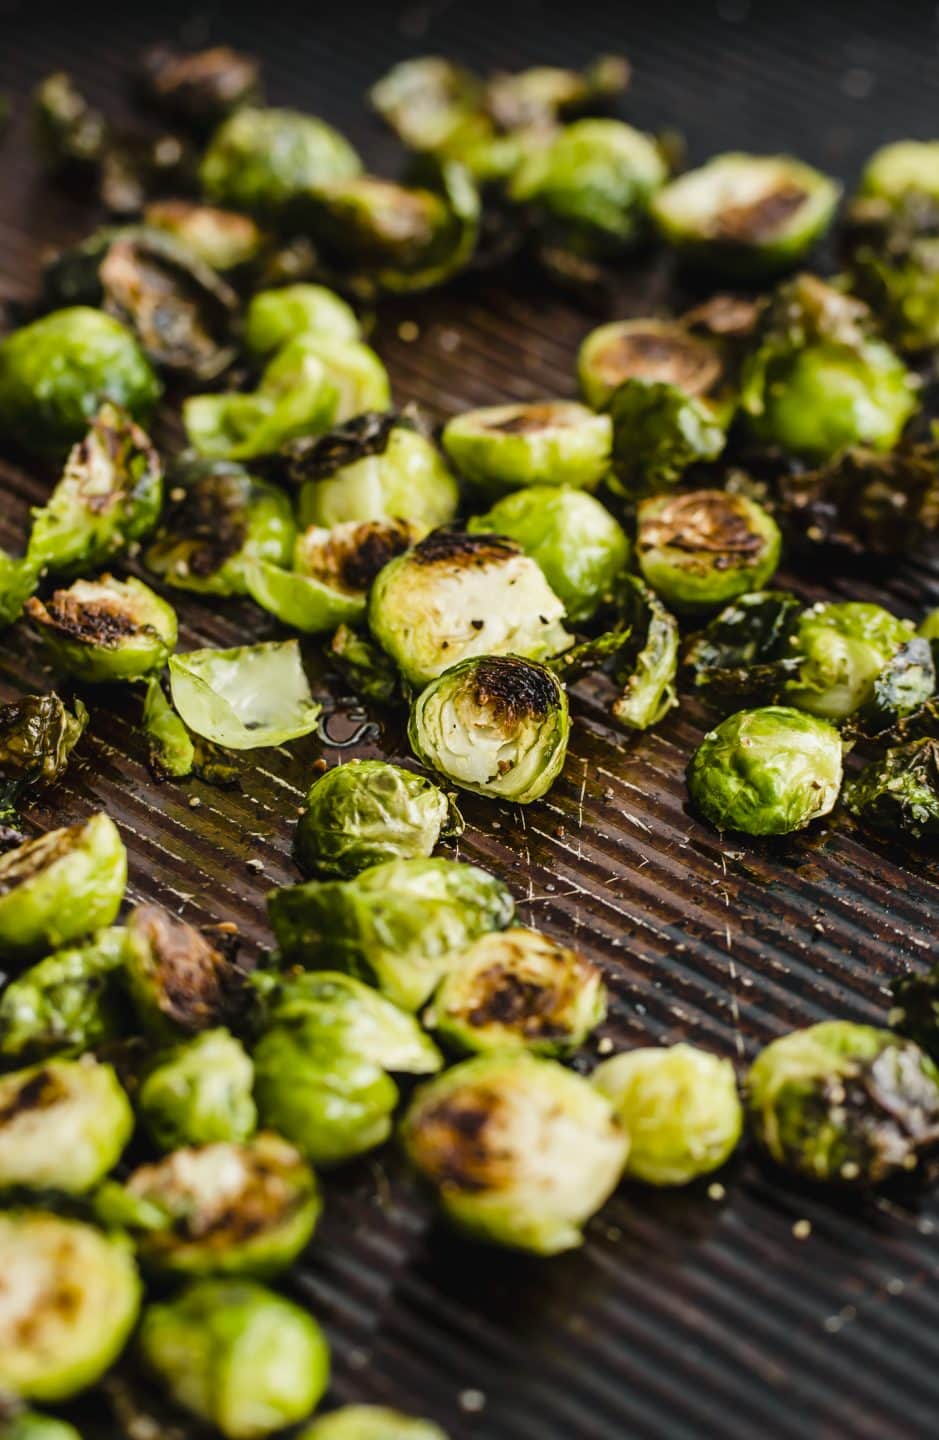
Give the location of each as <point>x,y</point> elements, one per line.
<point>56,372</point>
<point>843,647</point>
<point>907,167</point>
<point>899,792</point>
<point>30,1425</point>
<point>223,239</point>
<point>236,1355</point>
<point>658,352</point>
<point>552,442</point>
<point>658,433</point>
<point>365,1422</point>
<point>72,136</point>
<point>892,253</point>
<point>540,96</point>
<point>646,662</point>
<point>845,1103</point>
<point>494,724</point>
<point>105,630</point>
<point>746,214</point>
<point>431,103</point>
<point>260,160</point>
<point>455,596</point>
<point>578,544</point>
<point>199,87</point>
<point>679,1107</point>
<point>70,1300</point>
<point>518,990</point>
<point>37,736</point>
<point>705,547</point>
<point>246,698</point>
<point>59,887</point>
<point>396,925</point>
<point>766,772</point>
<point>63,1125</point>
<point>198,1092</point>
<point>274,317</point>
<point>180,984</point>
<point>68,1003</point>
<point>520,1151</point>
<point>366,812</point>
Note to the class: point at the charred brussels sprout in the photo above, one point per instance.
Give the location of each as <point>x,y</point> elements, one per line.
<point>198,1092</point>
<point>236,1355</point>
<point>892,251</point>
<point>456,596</point>
<point>646,663</point>
<point>766,772</point>
<point>366,812</point>
<point>658,352</point>
<point>907,167</point>
<point>843,648</point>
<point>105,630</point>
<point>68,1003</point>
<point>37,736</point>
<point>679,1107</point>
<point>703,548</point>
<point>199,87</point>
<point>431,103</point>
<point>844,1103</point>
<point>275,317</point>
<point>246,698</point>
<point>367,669</point>
<point>261,160</point>
<point>63,1125</point>
<point>554,442</point>
<point>59,887</point>
<point>70,1300</point>
<point>658,433</point>
<point>368,1422</point>
<point>520,1151</point>
<point>746,214</point>
<point>899,792</point>
<point>179,983</point>
<point>56,372</point>
<point>518,990</point>
<point>494,724</point>
<point>228,242</point>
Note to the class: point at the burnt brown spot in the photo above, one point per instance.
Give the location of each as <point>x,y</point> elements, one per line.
<point>761,219</point>
<point>318,457</point>
<point>704,521</point>
<point>508,998</point>
<point>191,983</point>
<point>103,621</point>
<point>39,1092</point>
<point>514,690</point>
<point>452,1140</point>
<point>532,420</point>
<point>659,356</point>
<point>457,548</point>
<point>350,560</point>
<point>20,865</point>
<point>727,316</point>
<point>206,525</point>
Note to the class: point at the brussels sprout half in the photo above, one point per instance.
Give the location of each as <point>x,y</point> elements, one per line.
<point>658,352</point>
<point>843,647</point>
<point>431,103</point>
<point>198,1092</point>
<point>68,1003</point>
<point>275,317</point>
<point>179,983</point>
<point>59,887</point>
<point>63,1125</point>
<point>37,736</point>
<point>906,167</point>
<point>368,1422</point>
<point>705,547</point>
<point>260,160</point>
<point>552,442</point>
<point>106,630</point>
<point>246,698</point>
<point>199,87</point>
<point>899,792</point>
<point>222,239</point>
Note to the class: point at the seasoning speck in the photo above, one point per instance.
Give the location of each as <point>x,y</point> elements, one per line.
<point>716,1191</point>
<point>409,331</point>
<point>472,1401</point>
<point>802,1229</point>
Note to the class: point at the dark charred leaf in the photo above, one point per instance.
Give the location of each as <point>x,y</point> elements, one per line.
<point>199,87</point>
<point>180,981</point>
<point>37,736</point>
<point>542,96</point>
<point>647,664</point>
<point>753,630</point>
<point>901,689</point>
<point>595,653</point>
<point>317,457</point>
<point>369,671</point>
<point>899,792</point>
<point>891,249</point>
<point>865,501</point>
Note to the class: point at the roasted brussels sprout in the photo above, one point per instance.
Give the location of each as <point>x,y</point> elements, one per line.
<point>745,652</point>
<point>520,1151</point>
<point>494,724</point>
<point>843,1102</point>
<point>892,252</point>
<point>72,136</point>
<point>581,548</point>
<point>542,95</point>
<point>646,663</point>
<point>63,1125</point>
<point>170,746</point>
<point>766,772</point>
<point>749,215</point>
<point>431,104</point>
<point>236,1355</point>
<point>199,87</point>
<point>68,1003</point>
<point>246,698</point>
<point>907,167</point>
<point>658,433</point>
<point>517,990</point>
<point>275,317</point>
<point>367,1422</point>
<point>899,792</point>
<point>37,736</point>
<point>30,1425</point>
<point>228,242</point>
<point>679,1107</point>
<point>56,372</point>
<point>180,984</point>
<point>396,925</point>
<point>60,887</point>
<point>261,160</point>
<point>71,1297</point>
<point>105,630</point>
<point>843,648</point>
<point>198,1092</point>
<point>703,548</point>
<point>658,352</point>
<point>553,442</point>
<point>456,596</point>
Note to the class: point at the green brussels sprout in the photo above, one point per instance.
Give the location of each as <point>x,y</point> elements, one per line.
<point>50,1349</point>
<point>647,663</point>
<point>30,1425</point>
<point>56,372</point>
<point>658,352</point>
<point>494,724</point>
<point>396,925</point>
<point>63,1125</point>
<point>553,442</point>
<point>246,698</point>
<point>904,686</point>
<point>520,1151</point>
<point>906,167</point>
<point>37,736</point>
<point>236,1355</point>
<point>581,548</point>
<point>928,627</point>
<point>372,676</point>
<point>679,1107</point>
<point>752,215</point>
<point>228,242</point>
<point>60,887</point>
<point>844,1102</point>
<point>658,433</point>
<point>517,990</point>
<point>368,1422</point>
<point>899,791</point>
<point>543,95</point>
<point>71,135</point>
<point>430,103</point>
<point>766,772</point>
<point>66,1004</point>
<point>703,548</point>
<point>892,252</point>
<point>201,87</point>
<point>171,751</point>
<point>457,596</point>
<point>275,317</point>
<point>261,160</point>
<point>198,1092</point>
<point>366,812</point>
<point>843,646</point>
<point>179,983</point>
<point>105,630</point>
<point>18,580</point>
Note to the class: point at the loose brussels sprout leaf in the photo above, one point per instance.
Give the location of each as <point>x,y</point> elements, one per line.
<point>368,670</point>
<point>105,630</point>
<point>658,352</point>
<point>275,317</point>
<point>581,548</point>
<point>367,1422</point>
<point>245,698</point>
<point>236,1355</point>
<point>553,442</point>
<point>893,260</point>
<point>494,724</point>
<point>70,134</point>
<point>198,1092</point>
<point>261,160</point>
<point>744,653</point>
<point>906,167</point>
<point>30,1425</point>
<point>60,887</point>
<point>899,792</point>
<point>68,1003</point>
<point>430,103</point>
<point>844,1103</point>
<point>366,812</point>
<point>705,547</point>
<point>843,648</point>
<point>396,925</point>
<point>18,580</point>
<point>766,772</point>
<point>49,1350</point>
<point>520,1151</point>
<point>56,372</point>
<point>179,983</point>
<point>746,214</point>
<point>647,663</point>
<point>904,685</point>
<point>37,736</point>
<point>63,1125</point>
<point>199,87</point>
<point>171,751</point>
<point>679,1107</point>
<point>456,596</point>
<point>658,433</point>
<point>518,990</point>
<point>302,601</point>
<point>595,653</point>
<point>222,239</point>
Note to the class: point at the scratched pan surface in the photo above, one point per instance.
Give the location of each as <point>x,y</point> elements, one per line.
<point>685,1315</point>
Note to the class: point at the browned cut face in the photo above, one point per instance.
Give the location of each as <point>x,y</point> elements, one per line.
<point>19,865</point>
<point>455,1143</point>
<point>173,317</point>
<point>707,520</point>
<point>210,521</point>
<point>39,1092</point>
<point>194,983</point>
<point>103,621</point>
<point>514,690</point>
<point>761,219</point>
<point>532,420</point>
<point>660,358</point>
<point>501,996</point>
<point>350,562</point>
<point>462,551</point>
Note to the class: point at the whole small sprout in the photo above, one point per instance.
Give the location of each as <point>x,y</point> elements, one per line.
<point>703,548</point>
<point>261,160</point>
<point>680,1108</point>
<point>519,1151</point>
<point>37,737</point>
<point>237,1356</point>
<point>844,647</point>
<point>30,1425</point>
<point>659,432</point>
<point>198,1092</point>
<point>904,168</point>
<point>66,1004</point>
<point>656,352</point>
<point>898,793</point>
<point>370,1422</point>
<point>550,442</point>
<point>844,1103</point>
<point>275,317</point>
<point>230,243</point>
<point>105,630</point>
<point>179,983</point>
<point>767,771</point>
<point>63,1125</point>
<point>247,697</point>
<point>50,1350</point>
